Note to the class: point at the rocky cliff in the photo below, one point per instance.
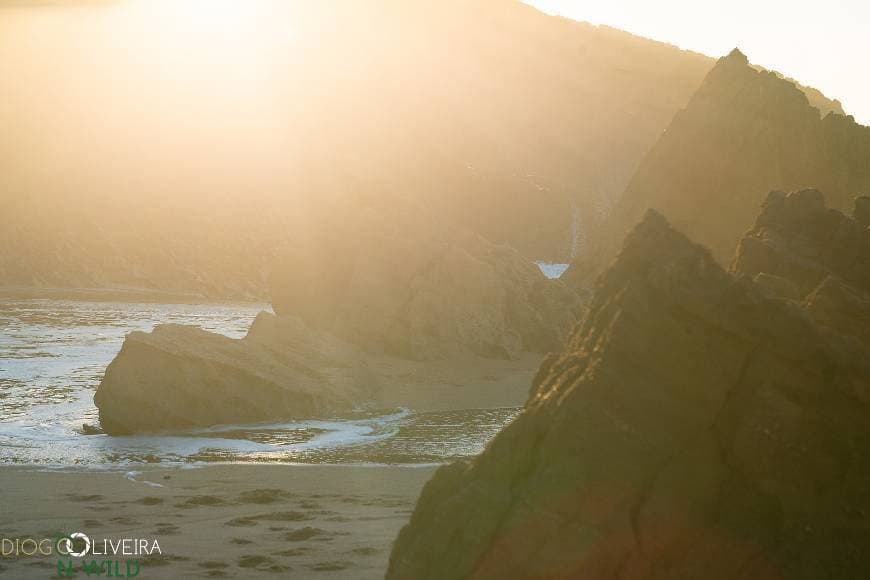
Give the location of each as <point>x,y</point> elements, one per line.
<point>797,237</point>
<point>418,288</point>
<point>697,425</point>
<point>744,133</point>
<point>510,122</point>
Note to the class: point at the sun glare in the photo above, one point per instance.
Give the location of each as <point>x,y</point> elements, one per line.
<point>218,32</point>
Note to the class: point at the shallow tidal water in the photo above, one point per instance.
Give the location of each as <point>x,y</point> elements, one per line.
<point>52,357</point>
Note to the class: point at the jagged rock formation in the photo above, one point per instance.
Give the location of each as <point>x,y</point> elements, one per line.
<point>420,289</point>
<point>362,288</point>
<point>181,376</point>
<point>744,133</point>
<point>802,250</point>
<point>696,426</point>
<point>798,238</point>
<point>496,116</point>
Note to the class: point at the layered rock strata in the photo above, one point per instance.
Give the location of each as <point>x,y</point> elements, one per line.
<point>697,425</point>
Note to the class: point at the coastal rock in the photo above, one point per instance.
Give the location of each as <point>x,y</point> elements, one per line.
<point>744,133</point>
<point>419,289</point>
<point>694,426</point>
<point>798,238</point>
<point>181,376</point>
<point>359,304</point>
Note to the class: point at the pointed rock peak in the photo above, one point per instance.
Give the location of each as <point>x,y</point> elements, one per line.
<point>652,244</point>
<point>655,219</point>
<point>651,234</point>
<point>736,56</point>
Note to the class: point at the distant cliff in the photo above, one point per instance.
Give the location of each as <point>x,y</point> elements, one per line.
<point>420,288</point>
<point>490,114</point>
<point>744,132</point>
<point>699,424</point>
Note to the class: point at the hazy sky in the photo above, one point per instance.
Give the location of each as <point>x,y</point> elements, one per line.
<point>822,44</point>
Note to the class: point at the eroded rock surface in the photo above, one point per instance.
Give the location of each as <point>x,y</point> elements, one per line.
<point>697,425</point>
<point>797,237</point>
<point>181,376</point>
<point>358,304</point>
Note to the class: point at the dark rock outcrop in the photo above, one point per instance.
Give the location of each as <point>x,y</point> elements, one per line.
<point>417,288</point>
<point>697,425</point>
<point>798,238</point>
<point>178,377</point>
<point>744,133</point>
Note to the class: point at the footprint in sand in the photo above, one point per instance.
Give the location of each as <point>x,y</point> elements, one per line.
<point>83,498</point>
<point>264,496</point>
<point>305,533</point>
<point>161,560</point>
<point>164,529</point>
<point>250,521</point>
<point>201,500</point>
<point>92,524</point>
<point>124,521</point>
<point>254,561</point>
<point>241,541</point>
<point>292,552</point>
<point>290,516</point>
<point>264,563</point>
<point>149,500</point>
<point>212,564</point>
<point>365,551</point>
<point>374,518</point>
<point>331,566</point>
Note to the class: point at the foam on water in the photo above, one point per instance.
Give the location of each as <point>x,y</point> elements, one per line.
<point>53,354</point>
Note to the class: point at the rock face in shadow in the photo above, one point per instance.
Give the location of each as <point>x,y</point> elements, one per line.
<point>744,133</point>
<point>801,250</point>
<point>181,376</point>
<point>798,238</point>
<point>419,289</point>
<point>697,425</point>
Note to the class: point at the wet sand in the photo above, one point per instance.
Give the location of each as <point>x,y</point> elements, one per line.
<point>232,521</point>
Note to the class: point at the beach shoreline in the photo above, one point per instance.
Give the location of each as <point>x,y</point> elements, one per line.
<point>225,520</point>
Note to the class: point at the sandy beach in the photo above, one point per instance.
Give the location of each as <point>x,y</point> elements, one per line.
<point>232,521</point>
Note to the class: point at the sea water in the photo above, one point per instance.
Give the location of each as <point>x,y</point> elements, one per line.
<point>552,270</point>
<point>53,354</point>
